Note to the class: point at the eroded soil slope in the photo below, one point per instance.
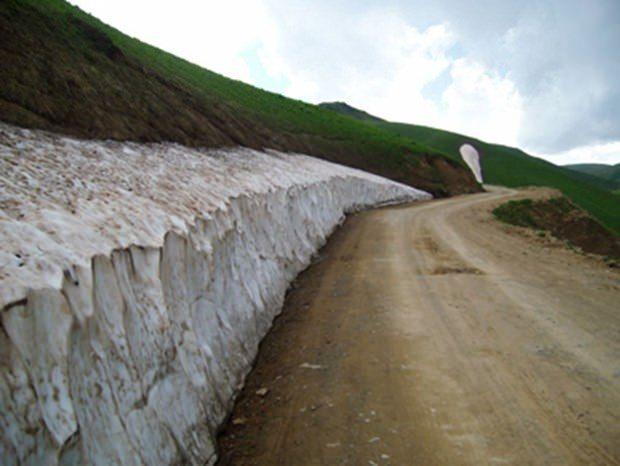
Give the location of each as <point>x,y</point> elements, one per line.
<point>65,71</point>
<point>549,211</point>
<point>434,335</point>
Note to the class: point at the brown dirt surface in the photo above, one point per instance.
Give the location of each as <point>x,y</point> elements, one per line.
<point>433,334</point>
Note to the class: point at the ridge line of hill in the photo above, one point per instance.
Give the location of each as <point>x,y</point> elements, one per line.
<point>605,174</point>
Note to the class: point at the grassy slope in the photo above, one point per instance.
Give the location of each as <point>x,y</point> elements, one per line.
<point>602,183</point>
<point>346,109</point>
<point>231,112</point>
<point>512,167</point>
<point>608,173</point>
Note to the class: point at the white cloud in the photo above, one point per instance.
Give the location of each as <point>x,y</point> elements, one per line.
<point>376,61</point>
<point>373,60</point>
<point>598,153</point>
<point>209,33</point>
<point>482,103</point>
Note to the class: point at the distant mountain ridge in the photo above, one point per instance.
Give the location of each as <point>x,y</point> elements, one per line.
<point>606,172</point>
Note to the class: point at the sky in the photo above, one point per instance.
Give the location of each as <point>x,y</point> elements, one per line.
<point>543,75</point>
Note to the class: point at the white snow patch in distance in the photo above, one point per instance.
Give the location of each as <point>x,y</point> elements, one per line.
<point>472,159</point>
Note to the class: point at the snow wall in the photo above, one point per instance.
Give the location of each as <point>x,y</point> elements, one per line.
<point>136,282</point>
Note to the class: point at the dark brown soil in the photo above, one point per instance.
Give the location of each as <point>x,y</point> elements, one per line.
<point>50,82</point>
<point>60,73</point>
<point>564,220</point>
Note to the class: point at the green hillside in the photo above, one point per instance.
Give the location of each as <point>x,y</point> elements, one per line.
<point>610,174</point>
<point>346,109</point>
<point>512,167</point>
<point>605,184</point>
<point>64,70</point>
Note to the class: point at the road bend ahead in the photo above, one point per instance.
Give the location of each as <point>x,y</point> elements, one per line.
<point>430,334</point>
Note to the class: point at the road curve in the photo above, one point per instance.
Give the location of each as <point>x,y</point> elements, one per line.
<point>430,334</point>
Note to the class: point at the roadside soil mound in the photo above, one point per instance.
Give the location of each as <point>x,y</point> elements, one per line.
<point>563,219</point>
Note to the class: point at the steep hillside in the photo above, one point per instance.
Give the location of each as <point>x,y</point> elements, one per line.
<point>608,173</point>
<point>605,184</point>
<point>512,167</point>
<point>65,71</point>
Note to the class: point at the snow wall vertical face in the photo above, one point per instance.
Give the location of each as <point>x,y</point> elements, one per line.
<point>136,282</point>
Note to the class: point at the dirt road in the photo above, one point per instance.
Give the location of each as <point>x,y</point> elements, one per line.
<point>432,334</point>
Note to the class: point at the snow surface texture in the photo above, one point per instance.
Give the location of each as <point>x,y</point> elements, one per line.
<point>472,159</point>
<point>136,282</point>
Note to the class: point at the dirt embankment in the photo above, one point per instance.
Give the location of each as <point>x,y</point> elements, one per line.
<point>60,73</point>
<point>548,210</point>
<point>434,335</point>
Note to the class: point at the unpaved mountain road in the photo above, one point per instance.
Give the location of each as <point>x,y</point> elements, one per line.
<point>431,334</point>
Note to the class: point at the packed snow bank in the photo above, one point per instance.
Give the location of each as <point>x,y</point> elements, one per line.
<point>472,159</point>
<point>136,282</point>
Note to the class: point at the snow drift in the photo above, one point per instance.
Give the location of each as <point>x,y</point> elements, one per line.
<point>136,282</point>
<point>472,159</point>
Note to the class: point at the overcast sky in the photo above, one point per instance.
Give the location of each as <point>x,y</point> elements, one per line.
<point>542,75</point>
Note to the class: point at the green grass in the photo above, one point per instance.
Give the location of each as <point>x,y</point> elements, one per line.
<point>608,174</point>
<point>600,182</point>
<point>516,213</point>
<point>521,212</point>
<point>345,109</point>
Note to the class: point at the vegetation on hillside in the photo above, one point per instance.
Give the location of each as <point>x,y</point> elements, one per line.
<point>608,174</point>
<point>508,166</point>
<point>345,109</point>
<point>66,71</point>
<point>564,220</point>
